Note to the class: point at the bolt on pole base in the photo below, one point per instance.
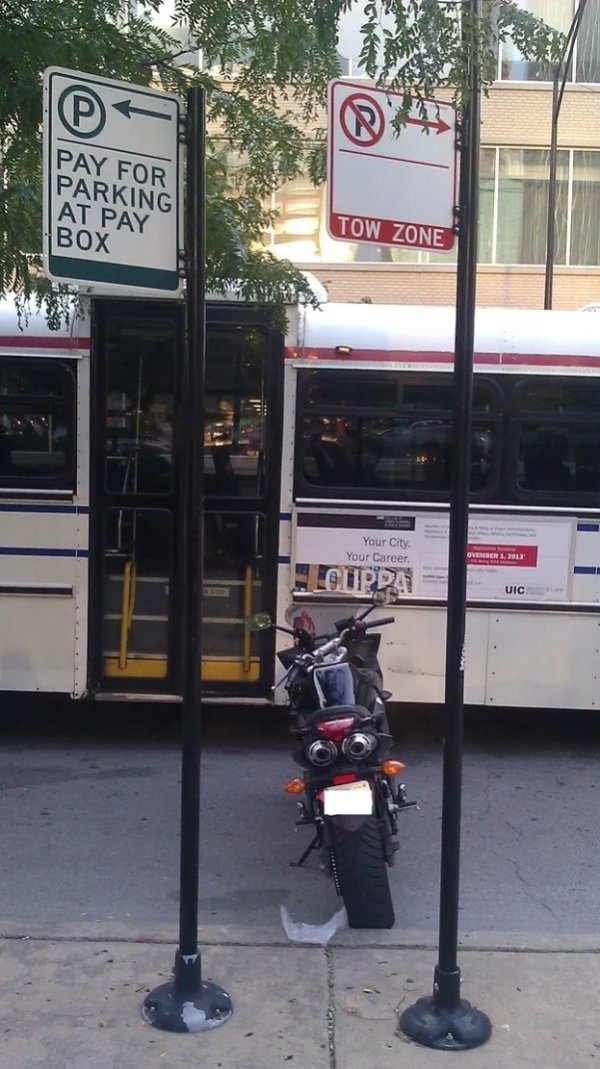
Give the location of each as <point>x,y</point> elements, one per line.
<point>443,1020</point>
<point>187,1003</point>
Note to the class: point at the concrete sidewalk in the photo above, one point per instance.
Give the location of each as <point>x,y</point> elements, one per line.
<point>70,999</point>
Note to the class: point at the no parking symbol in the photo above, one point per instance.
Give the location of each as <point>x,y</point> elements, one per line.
<point>362,119</point>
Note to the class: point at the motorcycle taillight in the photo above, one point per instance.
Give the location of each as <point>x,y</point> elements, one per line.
<point>337,729</point>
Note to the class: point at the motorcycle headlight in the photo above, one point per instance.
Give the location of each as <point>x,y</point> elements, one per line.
<point>322,752</point>
<point>358,745</point>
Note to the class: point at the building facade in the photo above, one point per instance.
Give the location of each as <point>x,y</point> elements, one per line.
<point>514,172</point>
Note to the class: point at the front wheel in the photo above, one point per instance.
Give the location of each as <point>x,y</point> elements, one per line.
<point>361,875</point>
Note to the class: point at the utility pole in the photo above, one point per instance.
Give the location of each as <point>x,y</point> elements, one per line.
<point>559,81</point>
<point>444,1020</point>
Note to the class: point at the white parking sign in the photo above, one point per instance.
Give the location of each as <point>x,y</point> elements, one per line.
<point>112,183</point>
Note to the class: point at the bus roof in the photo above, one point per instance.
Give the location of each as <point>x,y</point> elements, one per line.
<point>414,334</point>
<point>29,330</point>
<point>425,334</point>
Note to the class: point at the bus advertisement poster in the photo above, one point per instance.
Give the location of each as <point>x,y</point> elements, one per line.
<point>509,557</point>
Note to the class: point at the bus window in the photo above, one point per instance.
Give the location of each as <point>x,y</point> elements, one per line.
<point>139,411</point>
<point>37,420</point>
<point>407,448</point>
<point>236,412</point>
<point>324,389</point>
<point>558,437</point>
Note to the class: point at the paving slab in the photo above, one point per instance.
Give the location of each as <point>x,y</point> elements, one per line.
<point>544,1008</point>
<point>76,1005</point>
<point>75,1002</point>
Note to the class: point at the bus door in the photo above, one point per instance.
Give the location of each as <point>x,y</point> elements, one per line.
<point>242,451</point>
<point>135,496</point>
<point>135,599</point>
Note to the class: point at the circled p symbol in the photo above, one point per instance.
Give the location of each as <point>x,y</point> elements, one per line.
<point>362,120</point>
<point>81,111</point>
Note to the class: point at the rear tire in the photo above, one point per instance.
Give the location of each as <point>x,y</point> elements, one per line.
<point>362,875</point>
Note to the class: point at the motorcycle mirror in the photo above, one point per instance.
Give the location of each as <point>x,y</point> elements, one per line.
<point>386,595</point>
<point>260,621</point>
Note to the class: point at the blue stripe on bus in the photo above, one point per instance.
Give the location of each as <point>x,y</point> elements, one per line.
<point>31,551</point>
<point>283,560</point>
<point>588,526</point>
<point>285,515</point>
<point>83,509</point>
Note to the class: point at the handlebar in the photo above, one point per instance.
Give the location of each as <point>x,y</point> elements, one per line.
<point>328,647</point>
<point>350,621</point>
<point>357,622</point>
<point>335,643</point>
<point>306,642</point>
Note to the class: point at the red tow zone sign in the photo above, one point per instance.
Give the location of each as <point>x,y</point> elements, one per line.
<point>386,188</point>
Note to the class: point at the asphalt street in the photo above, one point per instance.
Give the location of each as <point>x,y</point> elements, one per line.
<point>89,820</point>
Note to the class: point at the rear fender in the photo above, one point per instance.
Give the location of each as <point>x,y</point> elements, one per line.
<point>349,823</point>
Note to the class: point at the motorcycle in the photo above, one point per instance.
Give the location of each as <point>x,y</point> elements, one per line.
<point>352,797</point>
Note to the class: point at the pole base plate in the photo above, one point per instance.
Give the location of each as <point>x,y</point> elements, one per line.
<point>459,1027</point>
<point>173,1010</point>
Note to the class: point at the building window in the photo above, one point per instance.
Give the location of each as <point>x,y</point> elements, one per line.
<point>522,184</point>
<point>513,204</point>
<point>296,232</point>
<point>585,210</point>
<point>513,217</point>
<point>512,66</point>
<point>487,201</point>
<point>587,58</point>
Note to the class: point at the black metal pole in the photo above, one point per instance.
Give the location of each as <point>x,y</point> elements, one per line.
<point>447,972</point>
<point>192,392</point>
<point>443,1020</point>
<point>558,91</point>
<point>188,1003</point>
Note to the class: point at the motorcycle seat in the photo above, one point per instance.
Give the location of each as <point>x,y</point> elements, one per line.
<point>332,712</point>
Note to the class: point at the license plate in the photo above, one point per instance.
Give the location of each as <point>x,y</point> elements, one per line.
<point>348,799</point>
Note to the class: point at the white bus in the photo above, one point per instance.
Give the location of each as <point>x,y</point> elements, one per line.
<point>327,468</point>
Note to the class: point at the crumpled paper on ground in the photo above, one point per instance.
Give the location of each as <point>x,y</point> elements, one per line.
<point>300,932</point>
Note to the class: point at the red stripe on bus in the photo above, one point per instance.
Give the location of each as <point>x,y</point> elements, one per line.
<point>425,356</point>
<point>30,341</point>
<point>436,357</point>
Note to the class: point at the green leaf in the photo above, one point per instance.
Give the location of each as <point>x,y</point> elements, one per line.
<point>266,67</point>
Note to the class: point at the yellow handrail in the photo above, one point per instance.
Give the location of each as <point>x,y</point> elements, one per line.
<point>247,611</point>
<point>127,607</point>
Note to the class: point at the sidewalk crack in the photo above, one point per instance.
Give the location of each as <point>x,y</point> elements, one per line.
<point>527,887</point>
<point>330,1008</point>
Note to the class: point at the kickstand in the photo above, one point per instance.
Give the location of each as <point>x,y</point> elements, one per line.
<point>311,846</point>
